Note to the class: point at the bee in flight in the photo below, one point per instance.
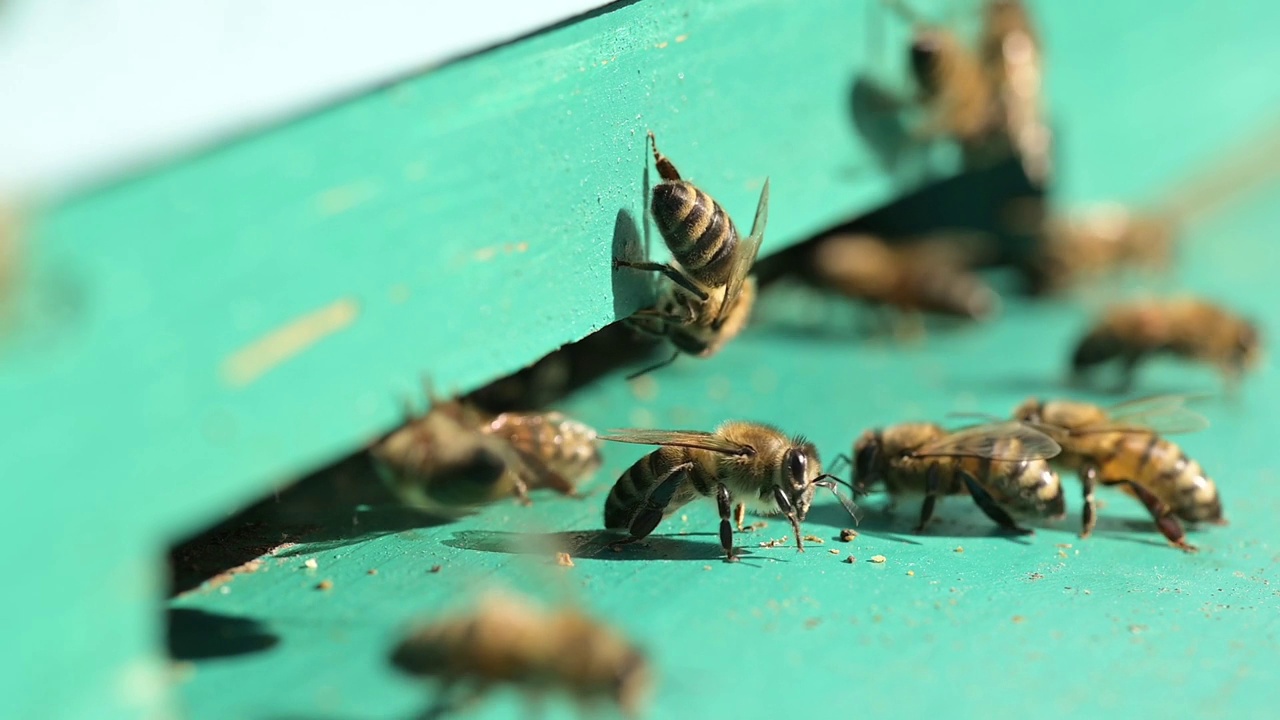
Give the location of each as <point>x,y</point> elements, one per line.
<point>920,277</point>
<point>508,640</point>
<point>454,458</point>
<point>709,298</point>
<point>999,465</point>
<point>1122,446</point>
<point>744,462</point>
<point>1186,327</point>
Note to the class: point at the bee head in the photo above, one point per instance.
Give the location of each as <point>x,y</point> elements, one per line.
<point>631,683</point>
<point>868,454</point>
<point>800,467</point>
<point>926,52</point>
<point>1031,410</point>
<point>1247,350</point>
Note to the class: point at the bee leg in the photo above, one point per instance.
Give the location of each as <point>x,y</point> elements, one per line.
<point>725,503</point>
<point>784,504</point>
<point>1088,513</point>
<point>655,505</point>
<point>989,506</point>
<point>932,482</point>
<point>665,168</point>
<point>1166,523</point>
<point>670,271</point>
<point>1128,371</point>
<point>658,366</point>
<point>740,515</point>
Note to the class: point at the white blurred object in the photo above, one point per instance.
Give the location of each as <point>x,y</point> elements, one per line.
<point>91,89</point>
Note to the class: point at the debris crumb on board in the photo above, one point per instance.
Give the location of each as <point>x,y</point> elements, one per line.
<point>851,559</point>
<point>311,564</point>
<point>776,542</point>
<point>848,534</point>
<point>814,539</point>
<point>325,585</point>
<point>834,551</point>
<point>563,559</point>
<point>435,568</point>
<point>959,548</point>
<point>373,571</point>
<point>1018,619</point>
<point>912,573</point>
<point>877,559</point>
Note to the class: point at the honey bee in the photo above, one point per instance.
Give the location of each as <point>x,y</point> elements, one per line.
<point>1187,327</point>
<point>1122,446</point>
<point>1098,240</point>
<point>953,85</point>
<point>453,458</point>
<point>507,640</point>
<point>924,277</point>
<point>999,465</point>
<point>1014,65</point>
<point>753,464</point>
<point>710,296</point>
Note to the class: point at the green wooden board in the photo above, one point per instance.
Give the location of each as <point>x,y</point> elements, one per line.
<point>461,223</point>
<point>1050,626</point>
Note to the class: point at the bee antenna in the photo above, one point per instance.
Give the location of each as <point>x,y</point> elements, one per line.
<point>829,482</point>
<point>651,368</point>
<point>842,458</point>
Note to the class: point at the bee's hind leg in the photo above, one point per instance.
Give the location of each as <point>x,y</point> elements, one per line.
<point>655,506</point>
<point>932,483</point>
<point>1166,523</point>
<point>1088,513</point>
<point>989,506</point>
<point>670,271</point>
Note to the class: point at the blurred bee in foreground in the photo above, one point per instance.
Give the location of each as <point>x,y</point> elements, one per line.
<point>1187,327</point>
<point>454,458</point>
<point>1097,241</point>
<point>1014,65</point>
<point>749,463</point>
<point>999,465</point>
<point>10,257</point>
<point>923,277</point>
<point>709,298</point>
<point>507,640</point>
<point>1122,446</point>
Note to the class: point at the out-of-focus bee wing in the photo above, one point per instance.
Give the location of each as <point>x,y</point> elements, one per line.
<point>1160,414</point>
<point>988,441</point>
<point>745,258</point>
<point>679,438</point>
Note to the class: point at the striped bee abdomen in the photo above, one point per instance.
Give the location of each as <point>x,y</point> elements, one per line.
<point>638,481</point>
<point>699,233</point>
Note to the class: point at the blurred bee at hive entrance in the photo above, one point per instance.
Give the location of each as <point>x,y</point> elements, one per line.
<point>1093,243</point>
<point>999,465</point>
<point>10,259</point>
<point>1185,327</point>
<point>744,462</point>
<point>709,297</point>
<point>1121,446</point>
<point>929,277</point>
<point>1014,65</point>
<point>508,640</point>
<point>455,458</point>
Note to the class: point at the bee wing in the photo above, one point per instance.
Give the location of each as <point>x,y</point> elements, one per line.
<point>1159,414</point>
<point>746,256</point>
<point>679,438</point>
<point>985,441</point>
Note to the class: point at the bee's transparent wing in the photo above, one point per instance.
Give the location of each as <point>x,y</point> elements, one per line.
<point>991,441</point>
<point>745,258</point>
<point>679,438</point>
<point>1159,414</point>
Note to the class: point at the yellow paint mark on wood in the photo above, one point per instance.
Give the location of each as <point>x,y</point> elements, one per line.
<point>336,201</point>
<point>261,356</point>
<point>682,38</point>
<point>661,45</point>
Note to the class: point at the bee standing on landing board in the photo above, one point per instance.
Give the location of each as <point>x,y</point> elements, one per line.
<point>453,459</point>
<point>925,277</point>
<point>742,462</point>
<point>510,641</point>
<point>710,296</point>
<point>998,465</point>
<point>1122,446</point>
<point>1187,327</point>
<point>1014,65</point>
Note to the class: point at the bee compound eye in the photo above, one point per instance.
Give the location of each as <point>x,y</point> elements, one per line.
<point>797,465</point>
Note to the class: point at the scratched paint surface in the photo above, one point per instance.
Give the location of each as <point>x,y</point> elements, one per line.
<point>961,622</point>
